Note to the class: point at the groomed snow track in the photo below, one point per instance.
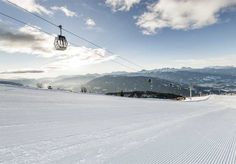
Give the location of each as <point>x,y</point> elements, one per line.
<point>41,126</point>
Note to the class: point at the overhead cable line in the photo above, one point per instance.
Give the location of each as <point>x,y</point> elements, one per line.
<point>74,34</point>
<point>37,28</point>
<point>17,6</point>
<point>22,22</point>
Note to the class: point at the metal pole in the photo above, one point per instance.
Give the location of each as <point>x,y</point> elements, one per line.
<point>190,92</point>
<point>60,26</point>
<point>151,85</point>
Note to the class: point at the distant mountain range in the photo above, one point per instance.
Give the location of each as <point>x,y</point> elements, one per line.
<point>166,80</point>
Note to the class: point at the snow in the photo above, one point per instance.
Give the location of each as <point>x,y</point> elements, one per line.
<point>43,126</point>
<point>196,99</point>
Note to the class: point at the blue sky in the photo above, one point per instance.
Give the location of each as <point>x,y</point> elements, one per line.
<point>151,33</point>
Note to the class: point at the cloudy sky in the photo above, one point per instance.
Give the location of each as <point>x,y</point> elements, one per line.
<point>150,33</point>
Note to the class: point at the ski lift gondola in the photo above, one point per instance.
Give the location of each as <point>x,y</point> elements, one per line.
<point>150,80</point>
<point>60,41</point>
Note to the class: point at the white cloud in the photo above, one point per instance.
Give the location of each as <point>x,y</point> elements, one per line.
<point>28,40</point>
<point>26,71</point>
<point>121,5</point>
<point>181,14</point>
<point>90,22</point>
<point>65,10</point>
<point>32,6</point>
<point>80,56</point>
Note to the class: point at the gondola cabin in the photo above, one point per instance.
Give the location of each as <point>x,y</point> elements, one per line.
<point>60,42</point>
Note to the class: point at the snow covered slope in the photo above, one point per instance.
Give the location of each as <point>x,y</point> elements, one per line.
<point>42,126</point>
